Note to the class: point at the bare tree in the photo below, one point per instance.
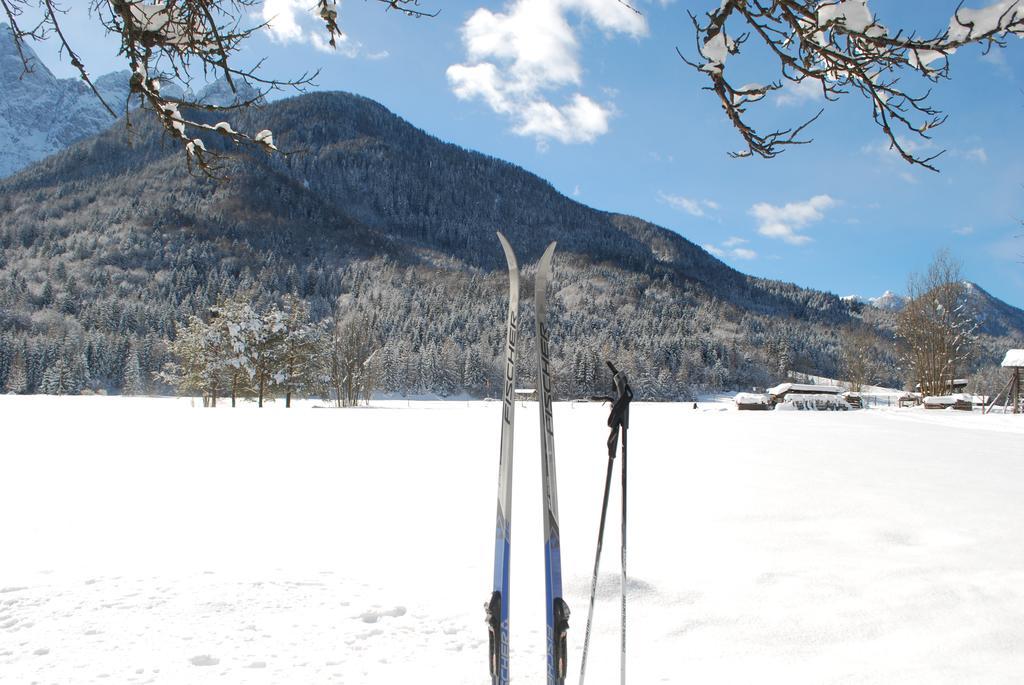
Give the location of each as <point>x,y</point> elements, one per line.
<point>172,41</point>
<point>937,326</point>
<point>859,359</point>
<point>838,47</point>
<point>301,369</point>
<point>353,346</point>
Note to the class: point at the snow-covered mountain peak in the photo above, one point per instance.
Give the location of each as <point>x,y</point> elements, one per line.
<point>888,300</point>
<point>41,114</point>
<point>220,94</point>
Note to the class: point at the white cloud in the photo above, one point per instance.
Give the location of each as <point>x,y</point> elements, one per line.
<point>729,249</point>
<point>993,55</point>
<point>978,154</point>
<point>295,21</point>
<point>964,230</point>
<point>918,147</point>
<point>282,20</point>
<point>688,205</point>
<point>784,222</point>
<point>517,60</point>
<point>792,93</point>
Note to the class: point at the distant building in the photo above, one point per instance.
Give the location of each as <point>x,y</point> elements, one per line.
<point>959,401</point>
<point>854,399</point>
<point>953,387</point>
<point>1014,361</point>
<point>803,396</point>
<point>753,401</point>
<point>909,399</point>
<point>780,392</point>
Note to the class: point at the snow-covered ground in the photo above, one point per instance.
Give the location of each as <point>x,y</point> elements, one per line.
<point>144,540</point>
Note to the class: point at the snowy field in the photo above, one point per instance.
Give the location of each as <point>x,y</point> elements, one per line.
<point>147,541</point>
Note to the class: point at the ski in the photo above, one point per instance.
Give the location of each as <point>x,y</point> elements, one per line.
<point>556,609</point>
<point>497,607</point>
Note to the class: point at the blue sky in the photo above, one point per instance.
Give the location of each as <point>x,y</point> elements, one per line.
<point>600,105</point>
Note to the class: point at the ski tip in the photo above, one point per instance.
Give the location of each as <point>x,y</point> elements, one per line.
<point>545,259</point>
<point>510,256</point>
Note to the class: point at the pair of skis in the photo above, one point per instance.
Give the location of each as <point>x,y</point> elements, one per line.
<point>557,612</point>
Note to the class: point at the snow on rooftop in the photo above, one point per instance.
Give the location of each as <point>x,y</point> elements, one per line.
<point>1014,358</point>
<point>804,388</point>
<point>751,398</point>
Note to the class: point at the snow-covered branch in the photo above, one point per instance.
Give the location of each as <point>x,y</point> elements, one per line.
<point>172,42</point>
<point>840,46</point>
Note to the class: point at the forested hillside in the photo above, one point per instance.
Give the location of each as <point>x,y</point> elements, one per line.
<point>111,244</point>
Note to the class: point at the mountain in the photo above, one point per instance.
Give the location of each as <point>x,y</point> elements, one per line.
<point>106,247</point>
<point>888,300</point>
<point>995,318</point>
<point>41,114</point>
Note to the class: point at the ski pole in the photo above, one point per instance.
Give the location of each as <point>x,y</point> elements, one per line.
<point>597,562</point>
<point>618,418</point>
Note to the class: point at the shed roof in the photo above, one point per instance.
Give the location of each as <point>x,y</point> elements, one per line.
<point>1014,358</point>
<point>804,388</point>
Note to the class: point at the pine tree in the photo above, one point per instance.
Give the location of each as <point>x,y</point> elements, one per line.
<point>55,378</point>
<point>17,377</point>
<point>301,364</point>
<point>133,382</point>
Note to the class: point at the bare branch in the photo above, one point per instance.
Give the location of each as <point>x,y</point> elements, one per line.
<point>173,41</point>
<point>843,47</point>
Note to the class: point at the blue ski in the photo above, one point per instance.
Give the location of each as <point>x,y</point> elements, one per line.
<point>497,607</point>
<point>556,609</point>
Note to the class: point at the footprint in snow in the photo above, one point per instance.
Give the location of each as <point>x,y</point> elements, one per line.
<point>204,660</point>
<point>373,615</point>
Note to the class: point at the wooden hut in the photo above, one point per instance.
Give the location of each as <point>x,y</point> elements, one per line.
<point>910,399</point>
<point>753,401</point>
<point>955,386</point>
<point>803,396</point>
<point>1014,362</point>
<point>959,401</point>
<point>526,394</point>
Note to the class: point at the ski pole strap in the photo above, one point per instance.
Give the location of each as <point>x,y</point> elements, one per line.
<point>619,416</point>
